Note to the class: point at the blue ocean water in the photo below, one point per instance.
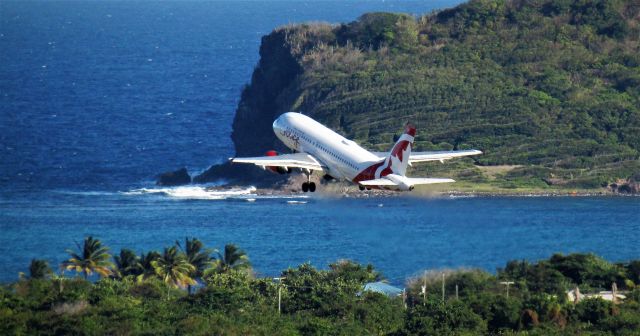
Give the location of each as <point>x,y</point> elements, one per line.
<point>400,236</point>
<point>96,98</point>
<point>103,94</point>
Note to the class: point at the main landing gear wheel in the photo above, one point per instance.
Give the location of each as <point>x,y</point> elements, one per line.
<point>309,186</point>
<point>361,187</point>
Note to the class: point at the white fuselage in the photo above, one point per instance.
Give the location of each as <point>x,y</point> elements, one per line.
<point>343,157</point>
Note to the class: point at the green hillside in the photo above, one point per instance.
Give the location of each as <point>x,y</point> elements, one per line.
<point>552,87</point>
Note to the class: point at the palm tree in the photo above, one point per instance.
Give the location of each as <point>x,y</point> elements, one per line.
<point>39,269</point>
<point>147,269</point>
<point>197,256</point>
<point>173,268</point>
<point>233,259</point>
<point>127,263</point>
<point>93,257</point>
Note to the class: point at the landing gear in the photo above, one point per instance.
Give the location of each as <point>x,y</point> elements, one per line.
<point>309,186</point>
<point>361,187</point>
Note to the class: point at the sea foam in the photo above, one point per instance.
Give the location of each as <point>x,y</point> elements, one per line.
<point>196,192</point>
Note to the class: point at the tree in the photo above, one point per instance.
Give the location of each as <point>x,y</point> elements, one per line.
<point>593,310</point>
<point>93,257</point>
<point>147,269</point>
<point>587,269</point>
<point>197,256</point>
<point>233,259</point>
<point>39,269</point>
<point>505,313</point>
<point>350,270</point>
<point>173,268</point>
<point>127,263</point>
<point>437,318</point>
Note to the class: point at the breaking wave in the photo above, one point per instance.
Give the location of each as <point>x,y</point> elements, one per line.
<point>248,194</point>
<point>194,192</point>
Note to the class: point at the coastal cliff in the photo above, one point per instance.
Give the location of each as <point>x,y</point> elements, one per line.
<point>550,89</point>
<point>262,101</point>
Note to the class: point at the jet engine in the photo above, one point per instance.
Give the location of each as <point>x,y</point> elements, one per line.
<point>278,170</point>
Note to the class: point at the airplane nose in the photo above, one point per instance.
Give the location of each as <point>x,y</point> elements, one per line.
<point>284,119</point>
<point>277,124</point>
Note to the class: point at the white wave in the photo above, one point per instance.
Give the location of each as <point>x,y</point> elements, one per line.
<point>296,202</point>
<point>85,193</point>
<point>283,196</point>
<point>195,192</point>
<point>461,196</point>
<point>247,194</point>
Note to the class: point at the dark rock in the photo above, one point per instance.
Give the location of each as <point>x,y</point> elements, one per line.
<point>230,173</point>
<point>178,177</point>
<point>628,186</point>
<point>625,189</point>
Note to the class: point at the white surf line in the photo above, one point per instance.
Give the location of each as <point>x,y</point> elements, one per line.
<point>194,192</point>
<point>206,193</point>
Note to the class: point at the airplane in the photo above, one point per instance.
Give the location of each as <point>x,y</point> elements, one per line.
<point>318,148</point>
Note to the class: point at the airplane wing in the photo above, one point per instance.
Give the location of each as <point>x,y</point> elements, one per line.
<point>434,155</point>
<point>297,160</point>
<point>441,155</point>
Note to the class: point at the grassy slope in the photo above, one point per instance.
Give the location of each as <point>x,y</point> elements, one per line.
<point>551,86</point>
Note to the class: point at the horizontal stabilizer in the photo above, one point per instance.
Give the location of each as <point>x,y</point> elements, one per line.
<point>378,182</point>
<point>409,181</point>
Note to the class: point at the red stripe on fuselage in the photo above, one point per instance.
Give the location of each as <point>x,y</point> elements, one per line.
<point>369,173</point>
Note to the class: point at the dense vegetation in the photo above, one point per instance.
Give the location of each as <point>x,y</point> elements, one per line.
<point>152,294</point>
<point>550,86</point>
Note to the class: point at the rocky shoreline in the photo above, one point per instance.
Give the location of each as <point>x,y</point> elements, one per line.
<point>291,186</point>
<point>288,185</point>
<point>342,190</point>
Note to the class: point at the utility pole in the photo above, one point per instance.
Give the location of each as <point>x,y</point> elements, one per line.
<point>424,289</point>
<point>279,293</point>
<point>442,286</point>
<point>507,283</point>
<point>279,299</point>
<point>404,298</point>
<point>456,291</point>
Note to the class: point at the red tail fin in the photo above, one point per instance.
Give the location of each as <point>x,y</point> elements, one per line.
<point>396,162</point>
<point>398,159</point>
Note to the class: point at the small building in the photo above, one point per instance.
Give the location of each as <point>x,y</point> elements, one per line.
<point>382,288</point>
